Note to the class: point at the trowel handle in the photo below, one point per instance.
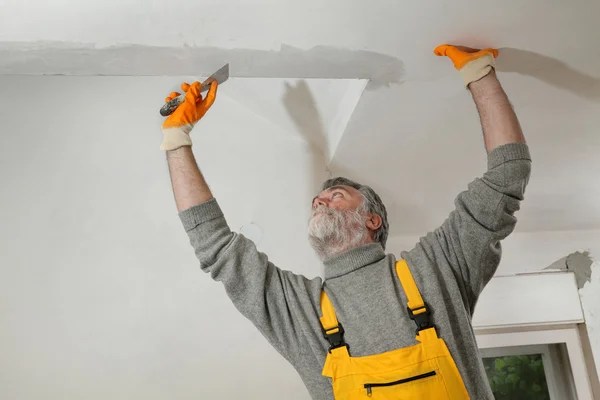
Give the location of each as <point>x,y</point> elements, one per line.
<point>170,107</point>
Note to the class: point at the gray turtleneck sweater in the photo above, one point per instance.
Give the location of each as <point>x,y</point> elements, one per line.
<point>451,266</point>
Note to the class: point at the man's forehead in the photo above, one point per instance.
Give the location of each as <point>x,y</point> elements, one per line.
<point>346,188</point>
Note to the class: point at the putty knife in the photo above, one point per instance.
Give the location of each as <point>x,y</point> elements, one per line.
<point>220,76</point>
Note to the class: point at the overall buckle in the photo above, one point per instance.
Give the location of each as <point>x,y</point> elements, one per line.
<point>336,339</point>
<point>423,319</point>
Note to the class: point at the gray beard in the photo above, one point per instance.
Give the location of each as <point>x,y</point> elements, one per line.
<point>335,231</point>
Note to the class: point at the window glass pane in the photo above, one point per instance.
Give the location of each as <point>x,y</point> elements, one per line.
<point>517,377</point>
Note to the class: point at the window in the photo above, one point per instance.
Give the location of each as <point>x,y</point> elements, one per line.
<point>537,316</point>
<point>517,377</point>
<point>529,372</point>
<point>536,365</point>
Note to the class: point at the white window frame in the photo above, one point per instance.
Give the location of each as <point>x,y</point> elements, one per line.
<point>567,335</point>
<point>530,309</point>
<point>558,381</point>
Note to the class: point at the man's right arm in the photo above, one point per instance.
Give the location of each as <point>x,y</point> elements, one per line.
<point>269,297</point>
<point>189,187</point>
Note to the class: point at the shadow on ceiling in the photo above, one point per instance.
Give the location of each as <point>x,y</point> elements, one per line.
<point>549,70</point>
<point>301,106</point>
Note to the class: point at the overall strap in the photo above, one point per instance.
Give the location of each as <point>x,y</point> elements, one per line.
<point>418,310</point>
<point>333,331</point>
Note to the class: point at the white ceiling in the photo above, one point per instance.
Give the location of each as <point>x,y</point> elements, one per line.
<point>414,135</point>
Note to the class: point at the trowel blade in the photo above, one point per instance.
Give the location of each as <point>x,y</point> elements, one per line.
<point>220,76</point>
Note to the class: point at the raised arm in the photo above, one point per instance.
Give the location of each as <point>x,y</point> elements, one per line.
<point>189,186</point>
<point>263,293</point>
<point>484,214</point>
<point>498,119</point>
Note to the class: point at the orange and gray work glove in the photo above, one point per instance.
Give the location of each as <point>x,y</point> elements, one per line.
<point>472,64</point>
<point>177,127</point>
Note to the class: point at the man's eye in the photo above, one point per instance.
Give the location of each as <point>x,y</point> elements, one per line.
<point>336,195</point>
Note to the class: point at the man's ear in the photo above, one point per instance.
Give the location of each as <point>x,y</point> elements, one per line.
<point>374,222</point>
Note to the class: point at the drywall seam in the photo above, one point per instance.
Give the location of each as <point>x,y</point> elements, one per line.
<point>60,58</point>
<point>345,110</point>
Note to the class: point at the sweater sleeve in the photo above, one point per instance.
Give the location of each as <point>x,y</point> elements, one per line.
<point>263,293</point>
<point>483,216</point>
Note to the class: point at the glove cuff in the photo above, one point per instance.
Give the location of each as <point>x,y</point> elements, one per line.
<point>175,138</point>
<point>477,69</point>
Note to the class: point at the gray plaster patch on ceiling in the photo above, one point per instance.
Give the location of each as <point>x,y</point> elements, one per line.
<point>580,263</point>
<point>52,58</point>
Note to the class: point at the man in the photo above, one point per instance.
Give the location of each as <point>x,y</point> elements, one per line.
<point>348,230</point>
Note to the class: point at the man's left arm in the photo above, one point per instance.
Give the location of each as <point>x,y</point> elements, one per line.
<point>484,214</point>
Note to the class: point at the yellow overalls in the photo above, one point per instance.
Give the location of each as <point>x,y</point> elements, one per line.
<point>423,371</point>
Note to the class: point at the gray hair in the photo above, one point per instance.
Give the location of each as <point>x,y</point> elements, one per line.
<point>372,203</point>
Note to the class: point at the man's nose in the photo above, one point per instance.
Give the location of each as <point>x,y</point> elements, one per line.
<point>319,202</point>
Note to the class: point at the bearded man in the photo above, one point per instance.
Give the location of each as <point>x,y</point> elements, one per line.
<point>348,230</point>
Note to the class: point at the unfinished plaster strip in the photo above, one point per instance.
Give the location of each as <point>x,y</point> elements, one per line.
<point>43,58</point>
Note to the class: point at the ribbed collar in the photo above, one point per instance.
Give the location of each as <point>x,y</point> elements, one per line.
<point>353,259</point>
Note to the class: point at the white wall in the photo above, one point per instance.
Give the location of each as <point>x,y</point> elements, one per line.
<point>101,296</point>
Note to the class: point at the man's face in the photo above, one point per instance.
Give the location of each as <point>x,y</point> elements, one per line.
<point>339,221</point>
<point>338,198</point>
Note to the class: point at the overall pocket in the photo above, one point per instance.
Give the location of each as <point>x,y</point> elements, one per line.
<point>427,385</point>
<point>369,386</point>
